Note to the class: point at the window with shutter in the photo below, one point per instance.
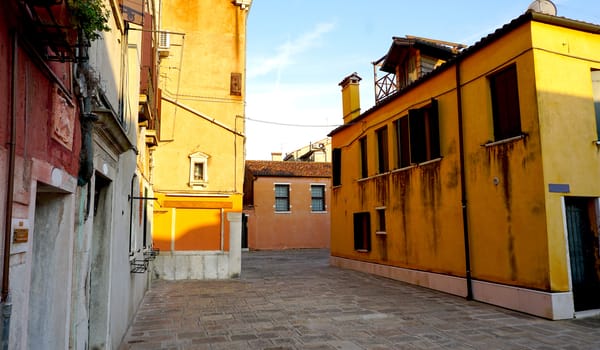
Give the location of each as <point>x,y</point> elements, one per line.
<point>505,103</point>
<point>364,166</point>
<point>382,150</point>
<point>336,160</point>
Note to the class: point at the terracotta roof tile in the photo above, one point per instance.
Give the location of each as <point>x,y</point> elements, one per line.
<point>288,169</point>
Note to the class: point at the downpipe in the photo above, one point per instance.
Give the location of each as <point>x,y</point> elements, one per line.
<point>6,302</point>
<point>463,185</point>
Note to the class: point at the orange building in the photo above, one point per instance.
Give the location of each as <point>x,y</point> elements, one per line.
<point>287,204</point>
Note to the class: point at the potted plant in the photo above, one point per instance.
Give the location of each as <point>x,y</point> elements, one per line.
<point>90,17</point>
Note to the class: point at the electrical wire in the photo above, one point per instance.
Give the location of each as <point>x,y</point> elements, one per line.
<point>293,125</point>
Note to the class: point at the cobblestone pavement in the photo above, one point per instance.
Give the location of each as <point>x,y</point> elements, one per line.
<point>295,300</point>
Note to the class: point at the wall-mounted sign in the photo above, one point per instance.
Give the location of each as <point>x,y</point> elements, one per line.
<point>21,235</point>
<point>133,11</point>
<point>559,188</point>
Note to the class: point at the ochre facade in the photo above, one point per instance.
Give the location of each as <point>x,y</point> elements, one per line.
<point>199,162</point>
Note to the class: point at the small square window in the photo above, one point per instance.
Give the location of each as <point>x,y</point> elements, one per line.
<point>381,220</point>
<point>198,171</point>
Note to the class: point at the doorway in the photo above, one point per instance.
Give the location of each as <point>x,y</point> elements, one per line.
<point>583,252</point>
<point>50,270</point>
<point>98,307</point>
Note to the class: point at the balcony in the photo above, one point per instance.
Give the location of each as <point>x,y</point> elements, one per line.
<point>47,25</point>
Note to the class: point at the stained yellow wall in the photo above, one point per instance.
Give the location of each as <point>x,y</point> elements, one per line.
<point>567,126</point>
<point>422,203</point>
<point>505,193</point>
<point>516,225</point>
<point>208,43</point>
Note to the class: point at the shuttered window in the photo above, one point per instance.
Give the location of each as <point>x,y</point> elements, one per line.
<point>402,142</point>
<point>336,160</point>
<point>364,166</point>
<point>596,92</point>
<point>424,133</point>
<point>505,103</point>
<point>382,150</point>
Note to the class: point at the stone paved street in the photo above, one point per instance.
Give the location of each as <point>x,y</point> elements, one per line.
<point>295,300</point>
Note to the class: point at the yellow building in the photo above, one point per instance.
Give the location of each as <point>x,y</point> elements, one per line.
<point>480,178</point>
<point>199,161</point>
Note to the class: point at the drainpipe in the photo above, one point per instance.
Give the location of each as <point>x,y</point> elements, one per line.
<point>6,304</point>
<point>463,185</point>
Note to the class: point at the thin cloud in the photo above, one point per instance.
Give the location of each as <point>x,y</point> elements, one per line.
<point>288,50</point>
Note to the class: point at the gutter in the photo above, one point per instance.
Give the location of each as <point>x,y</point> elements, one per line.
<point>463,185</point>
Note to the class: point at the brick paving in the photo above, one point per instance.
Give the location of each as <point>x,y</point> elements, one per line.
<point>295,300</point>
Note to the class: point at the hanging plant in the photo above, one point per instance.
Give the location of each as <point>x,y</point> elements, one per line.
<point>90,17</point>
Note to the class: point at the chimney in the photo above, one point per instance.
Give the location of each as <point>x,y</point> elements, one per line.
<point>351,97</point>
<point>276,156</point>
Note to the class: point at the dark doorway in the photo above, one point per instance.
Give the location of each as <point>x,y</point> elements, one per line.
<point>583,252</point>
<point>244,231</point>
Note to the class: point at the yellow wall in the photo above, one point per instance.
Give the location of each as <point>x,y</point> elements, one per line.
<point>208,43</point>
<point>516,226</point>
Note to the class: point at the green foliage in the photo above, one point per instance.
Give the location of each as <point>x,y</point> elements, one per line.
<point>89,16</point>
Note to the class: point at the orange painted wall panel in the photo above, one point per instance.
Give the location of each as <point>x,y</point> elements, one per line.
<point>298,228</point>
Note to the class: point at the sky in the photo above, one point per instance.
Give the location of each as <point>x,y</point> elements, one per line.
<point>298,51</point>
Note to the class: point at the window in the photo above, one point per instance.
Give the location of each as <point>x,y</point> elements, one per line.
<point>282,197</point>
<point>402,142</point>
<point>336,160</point>
<point>362,231</point>
<point>596,92</point>
<point>424,133</point>
<point>317,194</point>
<point>381,220</point>
<point>505,103</point>
<point>364,166</point>
<point>198,169</point>
<point>382,150</point>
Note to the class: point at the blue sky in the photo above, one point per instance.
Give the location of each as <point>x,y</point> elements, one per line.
<point>299,50</point>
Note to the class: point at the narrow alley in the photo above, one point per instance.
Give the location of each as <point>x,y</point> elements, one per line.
<point>295,300</point>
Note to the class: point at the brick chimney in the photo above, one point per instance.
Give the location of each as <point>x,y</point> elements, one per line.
<point>351,97</point>
<point>276,156</point>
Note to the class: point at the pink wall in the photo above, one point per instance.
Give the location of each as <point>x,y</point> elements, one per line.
<point>300,228</point>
